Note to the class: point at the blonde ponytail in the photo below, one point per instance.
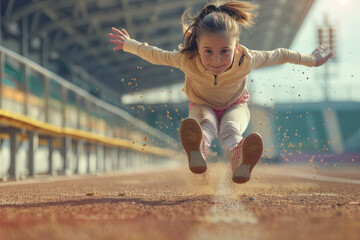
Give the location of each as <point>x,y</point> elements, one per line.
<point>241,12</point>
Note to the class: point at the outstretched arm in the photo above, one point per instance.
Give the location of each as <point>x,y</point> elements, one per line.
<point>262,59</point>
<point>151,54</point>
<point>318,54</point>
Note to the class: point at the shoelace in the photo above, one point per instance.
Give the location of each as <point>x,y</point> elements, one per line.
<point>237,154</point>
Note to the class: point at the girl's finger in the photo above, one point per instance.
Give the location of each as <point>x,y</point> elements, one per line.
<point>329,56</point>
<point>125,32</point>
<point>117,31</point>
<point>113,36</point>
<point>116,41</point>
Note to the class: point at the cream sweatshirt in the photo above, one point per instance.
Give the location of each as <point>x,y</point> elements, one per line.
<point>200,86</point>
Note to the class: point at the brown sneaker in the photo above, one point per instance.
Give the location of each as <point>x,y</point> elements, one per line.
<point>246,154</point>
<point>192,139</point>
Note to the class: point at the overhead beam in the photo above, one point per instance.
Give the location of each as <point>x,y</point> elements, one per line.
<point>113,15</point>
<point>82,40</point>
<point>146,29</point>
<point>32,7</point>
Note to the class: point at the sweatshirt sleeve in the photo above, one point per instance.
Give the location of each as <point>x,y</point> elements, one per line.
<point>153,54</point>
<point>262,59</point>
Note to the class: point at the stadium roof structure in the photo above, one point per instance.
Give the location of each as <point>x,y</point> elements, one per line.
<point>76,32</point>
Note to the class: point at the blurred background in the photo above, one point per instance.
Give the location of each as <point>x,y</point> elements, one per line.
<point>58,67</point>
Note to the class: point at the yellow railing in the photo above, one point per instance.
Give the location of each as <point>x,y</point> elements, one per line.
<point>28,124</point>
<point>85,119</point>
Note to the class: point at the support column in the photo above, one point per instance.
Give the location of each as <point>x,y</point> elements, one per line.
<point>122,159</point>
<point>99,156</point>
<point>14,147</point>
<point>50,157</point>
<point>105,158</point>
<point>33,147</point>
<point>115,159</point>
<point>79,153</point>
<point>118,158</point>
<point>88,151</point>
<point>67,155</point>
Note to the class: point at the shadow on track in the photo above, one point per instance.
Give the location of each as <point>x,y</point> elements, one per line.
<point>205,199</point>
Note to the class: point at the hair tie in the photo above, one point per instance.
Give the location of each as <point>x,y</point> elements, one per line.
<point>209,9</point>
<point>212,8</point>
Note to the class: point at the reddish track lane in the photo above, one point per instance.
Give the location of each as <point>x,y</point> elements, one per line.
<point>279,202</point>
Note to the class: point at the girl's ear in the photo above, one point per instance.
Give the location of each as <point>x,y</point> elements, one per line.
<point>237,44</point>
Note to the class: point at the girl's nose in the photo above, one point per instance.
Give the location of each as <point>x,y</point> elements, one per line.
<point>218,58</point>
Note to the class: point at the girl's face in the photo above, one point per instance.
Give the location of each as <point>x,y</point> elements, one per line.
<point>216,51</point>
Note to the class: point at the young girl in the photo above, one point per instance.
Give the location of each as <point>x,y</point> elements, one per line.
<point>215,67</point>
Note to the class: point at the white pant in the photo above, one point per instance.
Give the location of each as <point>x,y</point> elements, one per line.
<point>233,123</point>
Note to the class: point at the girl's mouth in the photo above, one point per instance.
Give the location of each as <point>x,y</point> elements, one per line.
<point>217,67</point>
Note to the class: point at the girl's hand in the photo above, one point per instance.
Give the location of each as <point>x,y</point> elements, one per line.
<point>118,38</point>
<point>320,60</point>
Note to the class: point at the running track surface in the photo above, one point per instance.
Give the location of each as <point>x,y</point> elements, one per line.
<point>279,202</point>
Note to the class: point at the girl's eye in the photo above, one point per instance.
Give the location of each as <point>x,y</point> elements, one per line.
<point>225,51</point>
<point>208,51</point>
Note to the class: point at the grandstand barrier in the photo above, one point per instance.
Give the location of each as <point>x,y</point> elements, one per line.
<point>43,110</point>
<point>327,132</point>
<point>319,131</point>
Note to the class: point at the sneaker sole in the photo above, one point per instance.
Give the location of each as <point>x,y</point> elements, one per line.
<point>252,151</point>
<point>190,137</point>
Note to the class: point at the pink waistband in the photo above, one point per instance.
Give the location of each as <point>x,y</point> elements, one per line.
<point>243,99</point>
<point>219,112</point>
